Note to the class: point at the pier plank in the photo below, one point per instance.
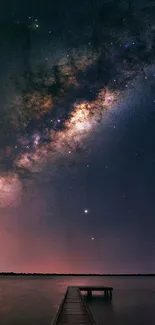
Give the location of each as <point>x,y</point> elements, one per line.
<point>73,310</point>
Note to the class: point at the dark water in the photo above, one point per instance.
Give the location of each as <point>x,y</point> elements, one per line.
<point>34,301</point>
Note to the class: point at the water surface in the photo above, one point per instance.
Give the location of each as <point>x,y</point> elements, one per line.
<point>35,300</point>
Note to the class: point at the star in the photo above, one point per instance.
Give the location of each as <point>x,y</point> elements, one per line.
<point>85,211</point>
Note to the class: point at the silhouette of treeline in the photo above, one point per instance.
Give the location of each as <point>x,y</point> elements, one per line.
<point>77,274</point>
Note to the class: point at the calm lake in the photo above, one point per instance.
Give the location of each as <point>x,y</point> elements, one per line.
<point>35,300</point>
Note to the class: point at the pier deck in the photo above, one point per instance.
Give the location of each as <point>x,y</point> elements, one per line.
<point>107,290</point>
<point>73,310</point>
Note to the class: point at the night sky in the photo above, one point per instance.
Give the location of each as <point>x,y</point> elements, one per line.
<point>77,136</point>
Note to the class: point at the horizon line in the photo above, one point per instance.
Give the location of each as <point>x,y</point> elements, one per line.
<point>77,274</point>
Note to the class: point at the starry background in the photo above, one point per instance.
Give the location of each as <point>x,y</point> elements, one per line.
<point>77,151</point>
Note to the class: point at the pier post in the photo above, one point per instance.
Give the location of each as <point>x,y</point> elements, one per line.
<point>89,292</point>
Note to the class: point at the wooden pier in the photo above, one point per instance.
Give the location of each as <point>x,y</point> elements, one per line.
<point>89,289</point>
<point>73,310</point>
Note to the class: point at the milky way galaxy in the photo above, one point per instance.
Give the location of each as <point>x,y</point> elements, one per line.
<point>59,106</point>
<point>77,121</point>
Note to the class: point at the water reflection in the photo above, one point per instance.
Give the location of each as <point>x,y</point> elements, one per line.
<point>35,300</point>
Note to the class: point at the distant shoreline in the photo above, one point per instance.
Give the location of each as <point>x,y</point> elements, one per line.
<point>72,274</point>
